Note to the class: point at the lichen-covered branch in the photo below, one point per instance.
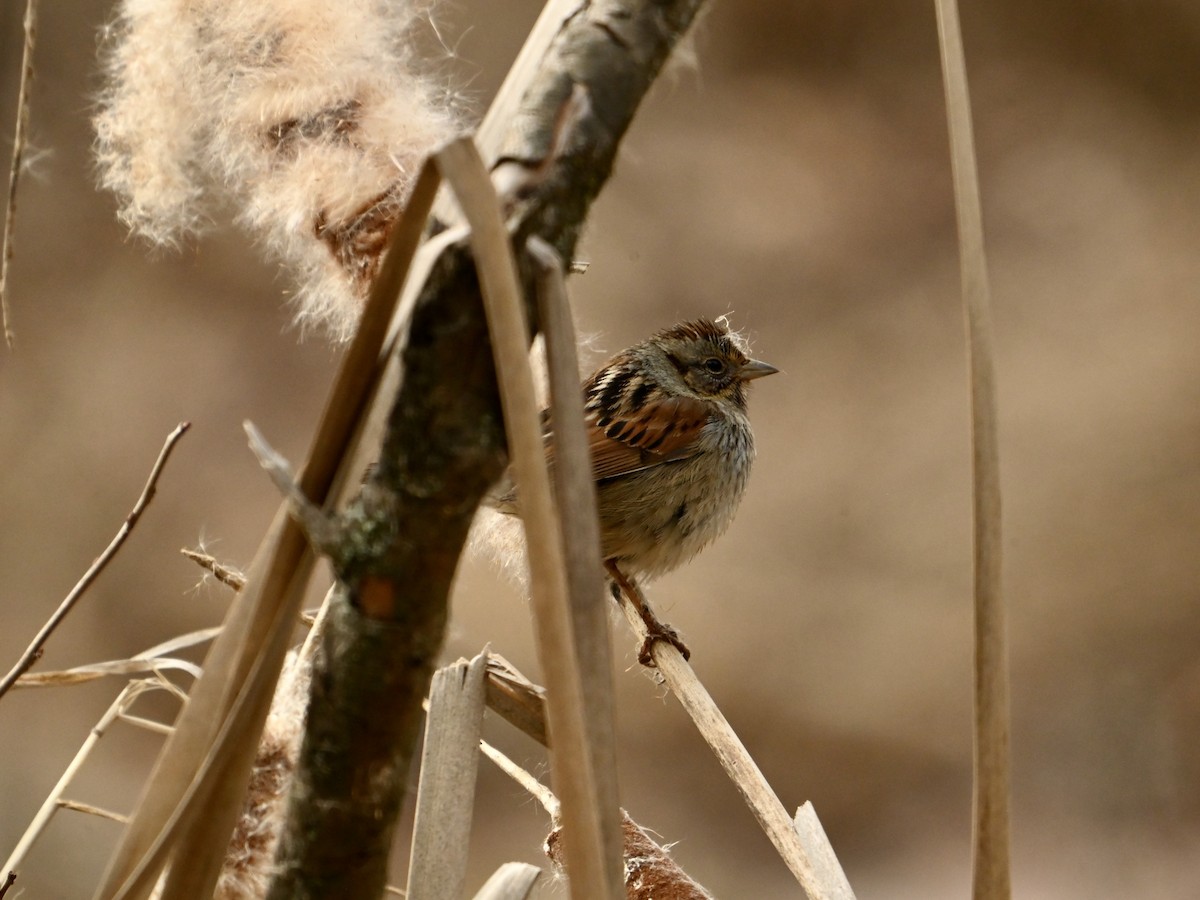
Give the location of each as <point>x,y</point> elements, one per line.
<point>443,448</point>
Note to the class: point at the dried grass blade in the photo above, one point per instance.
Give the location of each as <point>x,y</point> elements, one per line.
<point>18,154</point>
<point>254,641</point>
<point>176,781</point>
<point>991,865</point>
<point>150,660</point>
<point>50,805</point>
<point>215,796</point>
<point>738,764</point>
<point>446,792</point>
<point>592,853</point>
<point>500,113</point>
<point>512,881</point>
<point>182,642</point>
<point>93,671</point>
<point>152,725</point>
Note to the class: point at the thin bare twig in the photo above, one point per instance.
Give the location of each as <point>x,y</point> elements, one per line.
<point>19,140</point>
<point>991,865</point>
<point>8,882</point>
<point>35,648</point>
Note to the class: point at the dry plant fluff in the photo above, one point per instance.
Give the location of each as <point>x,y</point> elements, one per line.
<point>311,115</point>
<point>250,857</point>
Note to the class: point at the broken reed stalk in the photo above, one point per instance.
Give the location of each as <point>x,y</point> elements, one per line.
<point>35,648</point>
<point>809,862</point>
<point>446,791</point>
<point>20,139</point>
<point>585,779</point>
<point>991,865</point>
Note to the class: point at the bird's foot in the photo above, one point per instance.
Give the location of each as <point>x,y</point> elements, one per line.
<point>656,632</point>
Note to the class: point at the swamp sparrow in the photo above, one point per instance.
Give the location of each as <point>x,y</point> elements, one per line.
<point>671,449</point>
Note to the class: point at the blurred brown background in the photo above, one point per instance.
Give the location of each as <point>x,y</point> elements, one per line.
<point>800,180</point>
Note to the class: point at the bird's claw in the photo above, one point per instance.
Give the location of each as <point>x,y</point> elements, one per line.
<point>665,634</point>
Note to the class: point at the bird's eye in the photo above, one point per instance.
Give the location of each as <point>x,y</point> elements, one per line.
<point>714,365</point>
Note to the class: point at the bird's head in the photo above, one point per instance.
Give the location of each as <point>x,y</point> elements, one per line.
<point>707,360</point>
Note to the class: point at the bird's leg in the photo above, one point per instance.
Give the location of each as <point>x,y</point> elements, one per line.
<point>655,630</point>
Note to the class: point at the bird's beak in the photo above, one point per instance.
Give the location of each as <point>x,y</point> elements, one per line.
<point>756,368</point>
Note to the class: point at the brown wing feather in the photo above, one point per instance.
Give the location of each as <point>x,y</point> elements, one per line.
<point>660,432</point>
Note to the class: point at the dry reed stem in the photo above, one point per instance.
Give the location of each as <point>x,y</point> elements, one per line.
<point>94,671</point>
<point>512,881</point>
<point>446,791</point>
<point>250,651</point>
<point>34,650</point>
<point>20,139</point>
<point>811,870</point>
<point>575,490</point>
<point>589,809</point>
<point>991,865</point>
<point>820,851</point>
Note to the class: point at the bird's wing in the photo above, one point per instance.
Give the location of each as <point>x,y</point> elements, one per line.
<point>622,440</point>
